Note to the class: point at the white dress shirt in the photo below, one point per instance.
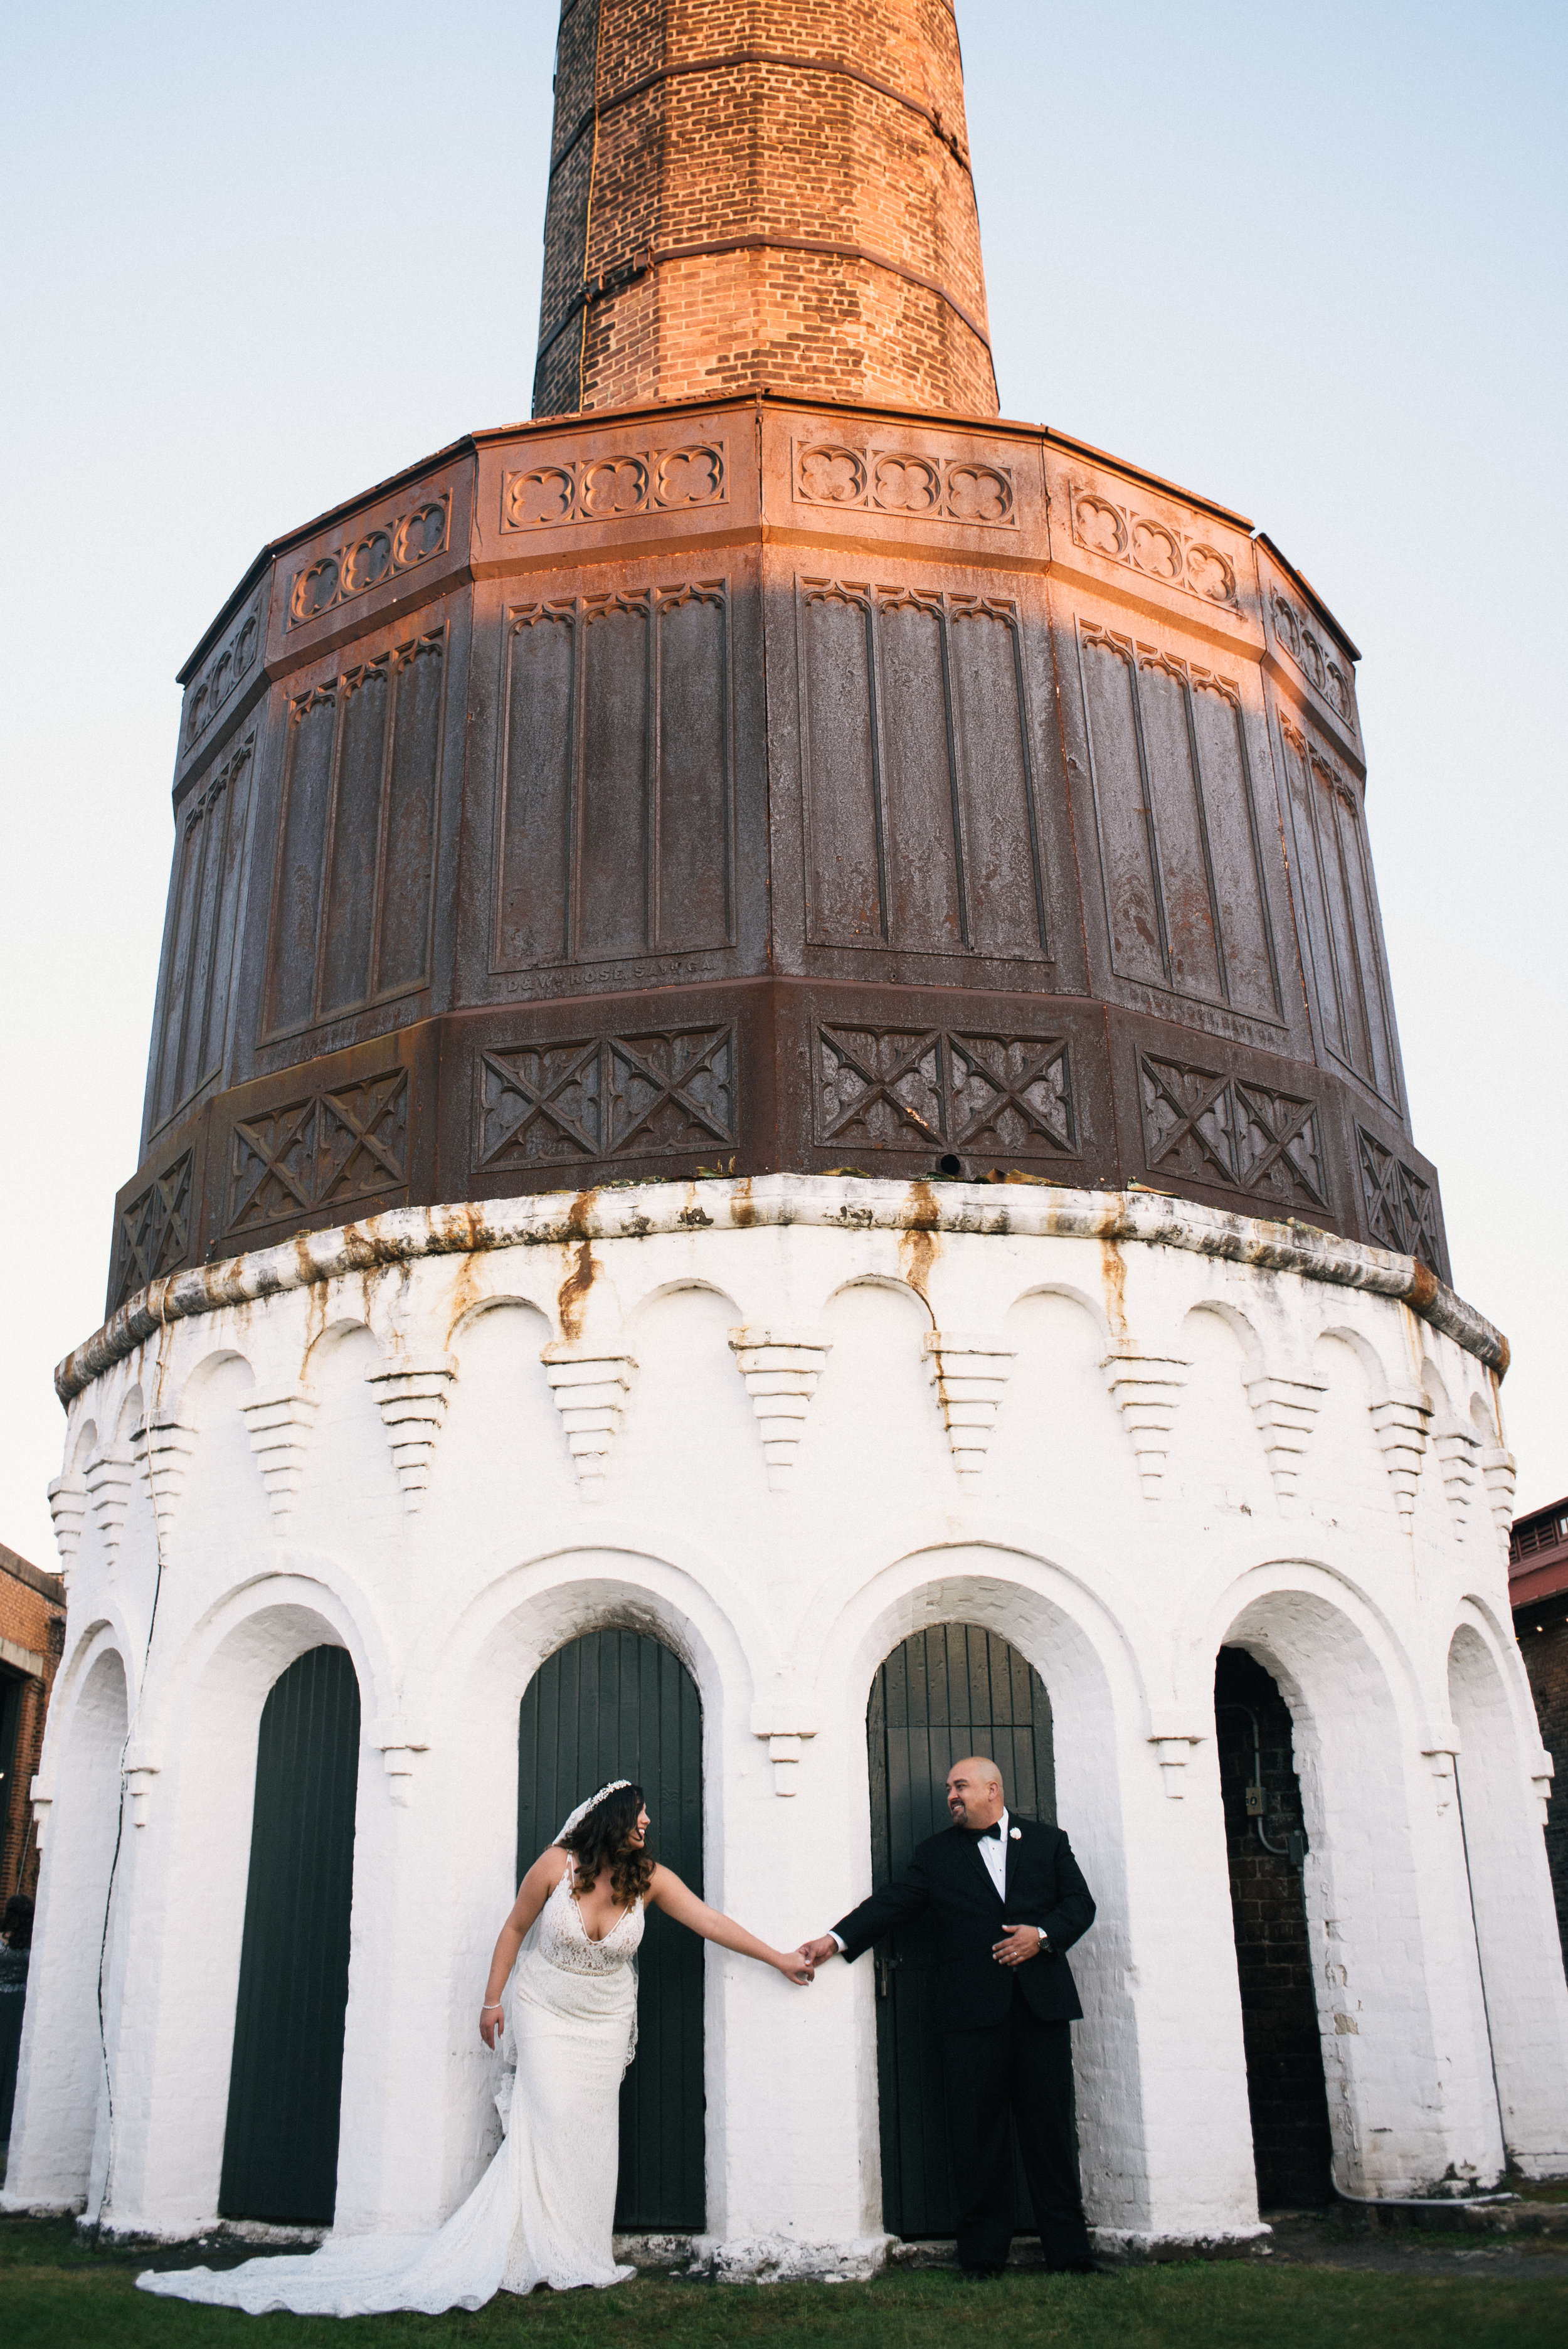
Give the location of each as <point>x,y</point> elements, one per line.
<point>993,1850</point>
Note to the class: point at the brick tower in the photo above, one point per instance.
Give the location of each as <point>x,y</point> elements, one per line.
<point>764,194</point>
<point>774,1144</point>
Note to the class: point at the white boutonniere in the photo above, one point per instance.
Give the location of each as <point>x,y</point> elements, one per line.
<point>1016,1834</point>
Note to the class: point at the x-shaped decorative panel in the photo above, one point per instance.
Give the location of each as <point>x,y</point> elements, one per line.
<point>333,1149</point>
<point>1402,1212</point>
<point>607,1096</point>
<point>155,1230</point>
<point>1219,1129</point>
<point>884,1089</point>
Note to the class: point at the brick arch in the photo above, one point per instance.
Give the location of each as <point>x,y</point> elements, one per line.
<point>1525,2005</point>
<point>61,2085</point>
<point>1378,1914</point>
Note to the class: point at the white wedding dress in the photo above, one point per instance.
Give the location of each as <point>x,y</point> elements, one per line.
<point>544,2210</point>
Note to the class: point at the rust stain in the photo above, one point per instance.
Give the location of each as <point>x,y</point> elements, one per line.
<point>571,1297</point>
<point>314,1313</point>
<point>742,1208</point>
<point>467,1290</point>
<point>1423,1290</point>
<point>162,1366</point>
<point>919,1244</point>
<point>1113,1281</point>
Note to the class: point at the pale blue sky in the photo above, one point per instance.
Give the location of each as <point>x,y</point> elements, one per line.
<point>1309,261</point>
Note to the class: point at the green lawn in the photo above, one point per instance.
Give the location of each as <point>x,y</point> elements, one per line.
<point>57,2293</point>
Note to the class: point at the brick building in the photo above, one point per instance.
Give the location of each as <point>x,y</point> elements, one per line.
<point>32,1635</point>
<point>1538,1589</point>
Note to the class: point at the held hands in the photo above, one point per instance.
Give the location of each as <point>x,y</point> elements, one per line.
<point>795,1965</point>
<point>1016,1947</point>
<point>818,1953</point>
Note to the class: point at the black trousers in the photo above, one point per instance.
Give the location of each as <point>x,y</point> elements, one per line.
<point>1022,2068</point>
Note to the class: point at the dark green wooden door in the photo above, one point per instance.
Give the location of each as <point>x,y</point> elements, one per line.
<point>618,1704</point>
<point>945,1693</point>
<point>285,2082</point>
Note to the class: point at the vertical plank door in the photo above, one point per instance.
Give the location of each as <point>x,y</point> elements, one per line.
<point>620,1704</point>
<point>285,2081</point>
<point>945,1694</point>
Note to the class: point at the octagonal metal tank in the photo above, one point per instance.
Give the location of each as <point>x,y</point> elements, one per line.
<point>758,784</point>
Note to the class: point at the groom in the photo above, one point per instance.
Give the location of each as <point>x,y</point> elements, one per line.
<point>1008,1902</point>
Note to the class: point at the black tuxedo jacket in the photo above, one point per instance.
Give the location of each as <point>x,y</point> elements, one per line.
<point>948,1879</point>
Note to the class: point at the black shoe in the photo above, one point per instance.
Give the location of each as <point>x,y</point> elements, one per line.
<point>1089,2265</point>
<point>979,2276</point>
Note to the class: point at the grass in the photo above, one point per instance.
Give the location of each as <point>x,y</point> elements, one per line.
<point>58,2292</point>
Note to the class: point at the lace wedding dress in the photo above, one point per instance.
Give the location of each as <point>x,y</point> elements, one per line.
<point>544,2209</point>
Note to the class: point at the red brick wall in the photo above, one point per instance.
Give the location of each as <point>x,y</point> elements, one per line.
<point>1542,1632</point>
<point>32,1621</point>
<point>767,151</point>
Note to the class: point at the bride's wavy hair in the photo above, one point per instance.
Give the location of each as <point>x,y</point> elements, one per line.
<point>603,1840</point>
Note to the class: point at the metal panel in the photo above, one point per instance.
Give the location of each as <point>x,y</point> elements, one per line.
<point>285,2082</point>
<point>817,721</point>
<point>619,1704</point>
<point>945,1694</point>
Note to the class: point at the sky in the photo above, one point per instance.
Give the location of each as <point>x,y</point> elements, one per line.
<point>1310,263</point>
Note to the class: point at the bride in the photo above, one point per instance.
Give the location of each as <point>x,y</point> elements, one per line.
<point>544,2210</point>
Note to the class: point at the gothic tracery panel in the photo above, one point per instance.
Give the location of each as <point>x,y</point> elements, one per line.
<point>1401,1208</point>
<point>209,873</point>
<point>355,871</point>
<point>898,482</point>
<point>1217,1128</point>
<point>354,568</point>
<point>609,488</point>
<point>1333,874</point>
<point>615,816</point>
<point>330,1149</point>
<point>637,1096</point>
<point>154,1231</point>
<point>921,825</point>
<point>937,1089</point>
<point>1176,814</point>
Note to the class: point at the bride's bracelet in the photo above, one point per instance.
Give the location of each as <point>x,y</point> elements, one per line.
<point>490,2004</point>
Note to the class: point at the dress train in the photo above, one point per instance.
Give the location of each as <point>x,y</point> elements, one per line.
<point>544,2210</point>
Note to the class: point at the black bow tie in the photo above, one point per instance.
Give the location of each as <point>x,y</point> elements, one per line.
<point>977,1832</point>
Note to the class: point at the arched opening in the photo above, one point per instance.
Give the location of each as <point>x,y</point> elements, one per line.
<point>62,2084</point>
<point>954,1690</point>
<point>620,1704</point>
<point>1266,1845</point>
<point>1508,1897</point>
<point>285,2079</point>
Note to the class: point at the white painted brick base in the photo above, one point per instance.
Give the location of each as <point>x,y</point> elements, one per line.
<point>765,1423</point>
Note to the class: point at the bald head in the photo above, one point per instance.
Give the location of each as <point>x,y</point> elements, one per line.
<point>974,1796</point>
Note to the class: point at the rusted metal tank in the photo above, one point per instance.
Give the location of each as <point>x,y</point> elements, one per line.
<point>790,785</point>
<point>767,776</point>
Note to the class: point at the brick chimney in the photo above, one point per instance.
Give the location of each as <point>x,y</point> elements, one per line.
<point>761,192</point>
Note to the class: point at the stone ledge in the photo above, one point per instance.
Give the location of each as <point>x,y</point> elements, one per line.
<point>745,1203</point>
<point>1130,2247</point>
<point>780,2258</point>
